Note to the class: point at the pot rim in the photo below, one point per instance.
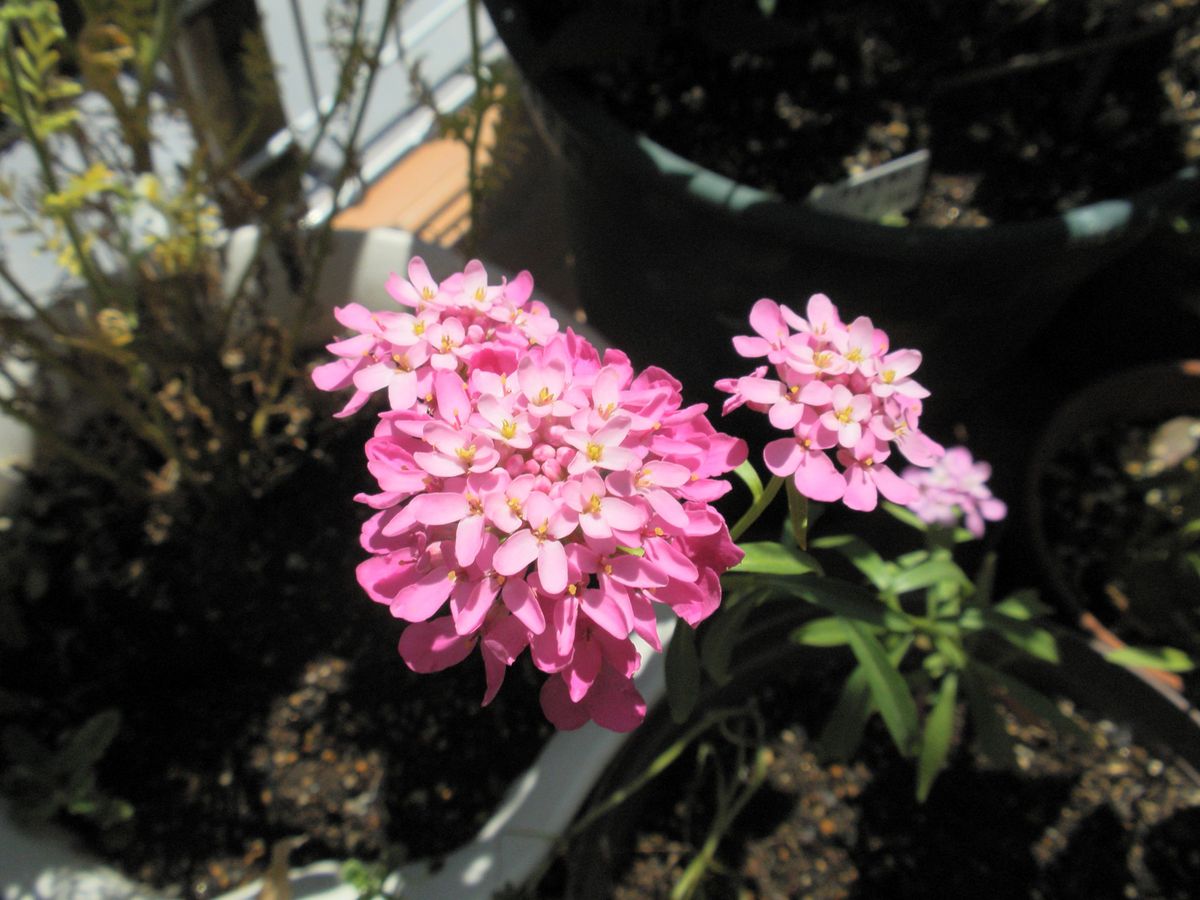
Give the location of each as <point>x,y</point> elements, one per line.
<point>638,157</point>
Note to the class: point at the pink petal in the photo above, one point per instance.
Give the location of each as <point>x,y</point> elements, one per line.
<point>603,608</point>
<point>818,478</point>
<point>614,703</point>
<point>433,646</point>
<point>782,456</point>
<point>470,603</point>
<point>522,603</point>
<point>860,490</point>
<point>424,597</point>
<point>439,509</point>
<point>468,538</point>
<point>516,553</point>
<point>558,708</point>
<point>552,567</point>
<point>892,486</point>
<point>582,672</point>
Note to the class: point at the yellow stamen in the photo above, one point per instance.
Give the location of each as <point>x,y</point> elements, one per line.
<point>515,505</point>
<point>594,451</point>
<point>508,430</point>
<point>888,376</point>
<point>480,294</point>
<point>452,575</point>
<point>606,410</point>
<point>844,414</point>
<point>544,396</point>
<point>418,327</point>
<point>658,532</point>
<point>868,462</point>
<point>593,505</point>
<point>447,346</point>
<point>572,590</point>
<point>823,359</point>
<point>855,355</point>
<point>466,454</point>
<point>427,292</point>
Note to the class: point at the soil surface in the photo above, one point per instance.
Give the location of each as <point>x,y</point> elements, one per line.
<point>260,691</point>
<point>1114,517</point>
<point>1096,815</point>
<point>1028,108</point>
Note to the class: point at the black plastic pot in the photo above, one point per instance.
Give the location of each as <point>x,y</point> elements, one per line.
<point>1156,716</point>
<point>1145,394</point>
<point>669,256</point>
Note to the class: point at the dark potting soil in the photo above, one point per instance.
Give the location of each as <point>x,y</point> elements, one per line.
<point>1113,528</point>
<point>260,691</point>
<point>1092,816</point>
<point>1028,108</point>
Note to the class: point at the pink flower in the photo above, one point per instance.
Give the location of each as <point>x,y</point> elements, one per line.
<point>532,494</point>
<point>836,388</point>
<point>955,486</point>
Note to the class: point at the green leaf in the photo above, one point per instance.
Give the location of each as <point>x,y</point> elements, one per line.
<point>720,637</point>
<point>1166,659</point>
<point>89,742</point>
<point>843,732</point>
<point>767,7</point>
<point>849,601</point>
<point>985,581</point>
<point>889,690</point>
<point>1033,640</point>
<point>1023,605</point>
<point>907,516</point>
<point>927,574</point>
<point>823,632</point>
<point>749,476</point>
<point>1027,698</point>
<point>861,555</point>
<point>682,672</point>
<point>991,734</point>
<point>939,728</point>
<point>771,558</point>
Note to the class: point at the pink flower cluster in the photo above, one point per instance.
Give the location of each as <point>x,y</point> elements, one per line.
<point>533,494</point>
<point>838,389</point>
<point>955,485</point>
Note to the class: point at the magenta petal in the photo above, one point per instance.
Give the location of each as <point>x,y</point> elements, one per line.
<point>516,553</point>
<point>552,567</point>
<point>433,646</point>
<point>782,456</point>
<point>582,672</point>
<point>556,704</point>
<point>468,538</point>
<point>423,597</point>
<point>439,509</point>
<point>494,670</point>
<point>522,603</point>
<point>566,615</point>
<point>818,478</point>
<point>860,490</point>
<point>603,608</point>
<point>893,487</point>
<point>470,603</point>
<point>614,703</point>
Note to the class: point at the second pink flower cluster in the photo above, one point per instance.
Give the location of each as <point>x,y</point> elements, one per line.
<point>844,396</point>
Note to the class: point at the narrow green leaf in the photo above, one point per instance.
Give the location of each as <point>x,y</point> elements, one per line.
<point>1033,640</point>
<point>939,728</point>
<point>1166,659</point>
<point>889,690</point>
<point>823,632</point>
<point>849,601</point>
<point>907,516</point>
<point>991,735</point>
<point>90,741</point>
<point>861,555</point>
<point>720,637</point>
<point>927,574</point>
<point>1024,605</point>
<point>843,732</point>
<point>682,672</point>
<point>985,581</point>
<point>1028,699</point>
<point>771,558</point>
<point>749,476</point>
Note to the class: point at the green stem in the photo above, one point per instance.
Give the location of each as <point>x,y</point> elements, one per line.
<point>756,509</point>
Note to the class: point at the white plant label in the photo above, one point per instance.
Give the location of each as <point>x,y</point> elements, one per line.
<point>894,187</point>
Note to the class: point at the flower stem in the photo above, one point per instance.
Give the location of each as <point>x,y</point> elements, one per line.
<point>756,509</point>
